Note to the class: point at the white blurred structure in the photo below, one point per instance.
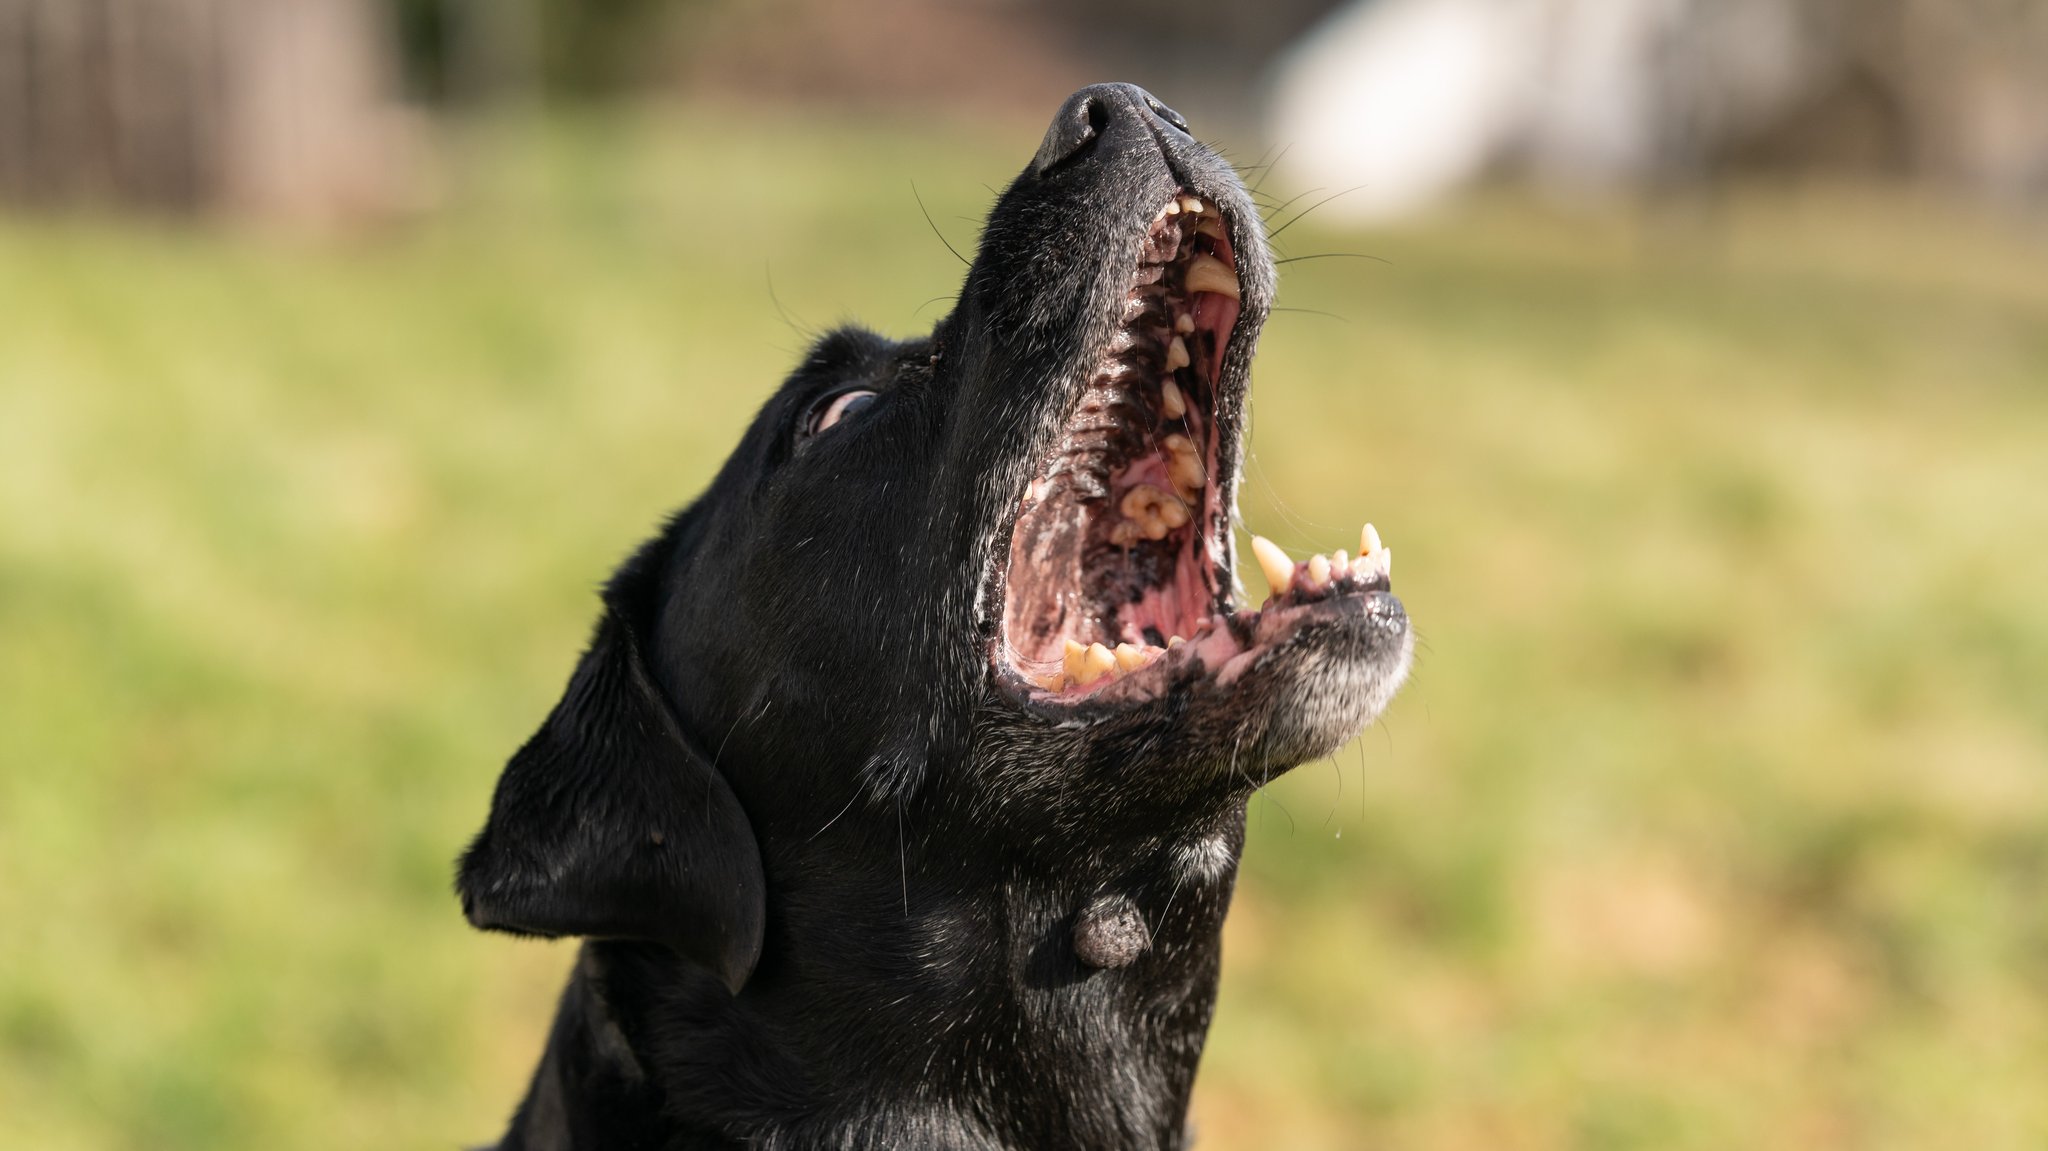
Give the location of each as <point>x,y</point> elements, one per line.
<point>1405,100</point>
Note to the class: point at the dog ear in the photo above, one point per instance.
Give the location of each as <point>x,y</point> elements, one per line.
<point>608,824</point>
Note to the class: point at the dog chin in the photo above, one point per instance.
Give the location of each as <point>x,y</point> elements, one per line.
<point>1318,676</point>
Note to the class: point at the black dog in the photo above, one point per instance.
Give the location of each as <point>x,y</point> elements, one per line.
<point>901,789</point>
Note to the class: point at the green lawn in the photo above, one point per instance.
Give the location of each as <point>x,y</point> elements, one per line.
<point>1715,814</point>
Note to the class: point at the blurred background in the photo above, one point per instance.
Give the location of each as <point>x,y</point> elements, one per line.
<point>1693,355</point>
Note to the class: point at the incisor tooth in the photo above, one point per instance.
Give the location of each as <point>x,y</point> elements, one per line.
<point>1172,208</point>
<point>1191,204</point>
<point>1368,541</point>
<point>1274,562</point>
<point>1130,657</point>
<point>1387,562</point>
<point>1177,355</point>
<point>1340,564</point>
<point>1318,570</point>
<point>1209,274</point>
<point>1095,663</point>
<point>1171,401</point>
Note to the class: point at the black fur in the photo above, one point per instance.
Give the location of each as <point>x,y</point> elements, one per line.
<point>830,872</point>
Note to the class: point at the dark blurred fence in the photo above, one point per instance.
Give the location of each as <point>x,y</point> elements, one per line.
<point>273,108</point>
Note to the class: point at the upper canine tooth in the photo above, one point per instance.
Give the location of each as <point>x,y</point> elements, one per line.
<point>1096,662</point>
<point>1274,562</point>
<point>1209,274</point>
<point>1184,323</point>
<point>1318,570</point>
<point>1171,401</point>
<point>1176,355</point>
<point>1368,541</point>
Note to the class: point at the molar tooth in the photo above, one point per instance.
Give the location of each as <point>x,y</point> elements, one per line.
<point>1171,402</point>
<point>1173,513</point>
<point>1318,570</point>
<point>1278,568</point>
<point>1070,667</point>
<point>1177,355</point>
<point>1130,657</point>
<point>1209,274</point>
<point>1096,662</point>
<point>1184,324</point>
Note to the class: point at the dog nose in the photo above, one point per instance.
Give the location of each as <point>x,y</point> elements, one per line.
<point>1096,111</point>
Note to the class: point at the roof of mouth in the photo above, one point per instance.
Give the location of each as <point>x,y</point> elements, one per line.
<point>1117,549</point>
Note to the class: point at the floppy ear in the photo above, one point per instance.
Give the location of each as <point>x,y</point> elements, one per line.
<point>608,824</point>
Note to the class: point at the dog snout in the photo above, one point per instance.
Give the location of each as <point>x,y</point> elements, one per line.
<point>1103,112</point>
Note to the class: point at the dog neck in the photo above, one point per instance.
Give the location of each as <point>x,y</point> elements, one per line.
<point>964,1016</point>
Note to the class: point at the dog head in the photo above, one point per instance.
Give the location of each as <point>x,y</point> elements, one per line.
<point>984,579</point>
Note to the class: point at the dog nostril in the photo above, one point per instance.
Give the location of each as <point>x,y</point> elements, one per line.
<point>1167,114</point>
<point>1077,124</point>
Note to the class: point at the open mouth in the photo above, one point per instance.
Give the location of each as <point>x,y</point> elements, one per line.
<point>1118,580</point>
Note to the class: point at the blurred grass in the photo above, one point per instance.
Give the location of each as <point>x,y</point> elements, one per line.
<point>1716,813</point>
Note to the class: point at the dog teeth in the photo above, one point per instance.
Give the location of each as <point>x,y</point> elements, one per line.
<point>1191,205</point>
<point>1318,571</point>
<point>1153,512</point>
<point>1172,208</point>
<point>1184,324</point>
<point>1373,555</point>
<point>1130,657</point>
<point>1209,274</point>
<point>1177,355</point>
<point>1184,465</point>
<point>1340,564</point>
<point>1278,568</point>
<point>1171,402</point>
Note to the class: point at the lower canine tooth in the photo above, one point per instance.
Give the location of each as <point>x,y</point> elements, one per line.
<point>1209,274</point>
<point>1274,562</point>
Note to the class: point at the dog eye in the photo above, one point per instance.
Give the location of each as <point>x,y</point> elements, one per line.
<point>836,408</point>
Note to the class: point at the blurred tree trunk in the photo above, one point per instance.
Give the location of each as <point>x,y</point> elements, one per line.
<point>279,109</point>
